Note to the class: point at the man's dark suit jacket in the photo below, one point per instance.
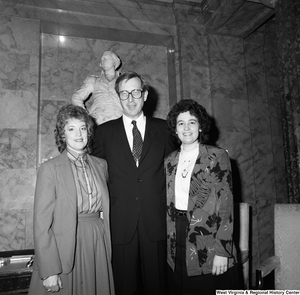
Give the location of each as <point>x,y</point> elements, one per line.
<point>135,192</point>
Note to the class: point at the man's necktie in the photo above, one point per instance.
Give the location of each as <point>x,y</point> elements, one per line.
<point>137,142</point>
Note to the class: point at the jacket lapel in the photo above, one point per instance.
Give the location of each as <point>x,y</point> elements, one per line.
<point>67,179</point>
<point>122,144</point>
<point>173,166</point>
<point>150,133</point>
<point>195,183</point>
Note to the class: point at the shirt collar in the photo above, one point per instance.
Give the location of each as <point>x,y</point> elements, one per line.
<point>139,121</point>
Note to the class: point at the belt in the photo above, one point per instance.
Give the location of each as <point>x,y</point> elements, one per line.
<point>180,212</point>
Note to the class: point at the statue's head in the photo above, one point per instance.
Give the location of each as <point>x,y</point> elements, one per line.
<point>109,57</point>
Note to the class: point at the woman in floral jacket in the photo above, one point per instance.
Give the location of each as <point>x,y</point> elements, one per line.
<point>201,253</point>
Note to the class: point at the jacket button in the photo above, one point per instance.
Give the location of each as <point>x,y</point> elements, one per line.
<point>139,180</point>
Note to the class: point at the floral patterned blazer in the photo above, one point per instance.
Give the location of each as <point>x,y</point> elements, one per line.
<point>210,210</point>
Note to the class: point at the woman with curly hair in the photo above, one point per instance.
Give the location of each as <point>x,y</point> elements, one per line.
<point>201,253</point>
<point>71,238</point>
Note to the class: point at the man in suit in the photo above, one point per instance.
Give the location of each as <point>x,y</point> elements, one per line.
<point>137,191</point>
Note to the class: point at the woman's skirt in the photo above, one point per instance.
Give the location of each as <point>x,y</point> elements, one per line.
<point>92,272</point>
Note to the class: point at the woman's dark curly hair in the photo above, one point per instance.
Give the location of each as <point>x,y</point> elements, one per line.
<point>195,109</point>
<point>67,112</point>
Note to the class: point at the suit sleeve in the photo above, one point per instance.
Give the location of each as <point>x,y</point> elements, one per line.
<point>46,251</point>
<point>98,143</point>
<point>105,170</point>
<point>223,186</point>
<point>172,145</point>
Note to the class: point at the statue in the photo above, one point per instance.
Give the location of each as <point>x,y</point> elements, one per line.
<point>106,104</point>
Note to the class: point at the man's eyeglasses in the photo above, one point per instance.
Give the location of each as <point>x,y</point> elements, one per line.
<point>135,93</point>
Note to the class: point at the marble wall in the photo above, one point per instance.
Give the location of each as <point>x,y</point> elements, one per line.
<point>19,60</point>
<point>235,79</point>
<point>263,93</point>
<point>39,72</point>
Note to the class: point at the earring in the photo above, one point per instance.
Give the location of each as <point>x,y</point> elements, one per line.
<point>200,130</point>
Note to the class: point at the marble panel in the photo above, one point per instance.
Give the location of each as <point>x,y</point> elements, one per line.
<point>17,189</point>
<point>32,138</point>
<point>195,70</point>
<point>277,148</point>
<point>16,148</point>
<point>270,34</point>
<point>273,85</point>
<point>127,16</point>
<point>271,63</point>
<point>244,14</point>
<point>275,112</point>
<point>193,30</point>
<point>175,86</point>
<point>238,145</point>
<point>19,52</point>
<point>275,118</point>
<point>280,169</point>
<point>265,186</point>
<point>29,229</point>
<point>274,104</point>
<point>18,109</point>
<point>226,51</point>
<point>259,118</point>
<point>12,229</point>
<point>263,162</point>
<point>186,13</point>
<point>48,113</point>
<point>190,23</point>
<point>198,84</point>
<point>226,58</point>
<point>223,9</point>
<point>256,37</point>
<point>199,81</point>
<point>265,227</point>
<point>222,110</point>
<point>255,71</point>
<point>231,115</point>
<point>266,35</point>
<point>262,149</point>
<point>228,82</point>
<point>194,50</point>
<point>240,116</point>
<point>206,103</point>
<point>129,4</point>
<point>13,67</point>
